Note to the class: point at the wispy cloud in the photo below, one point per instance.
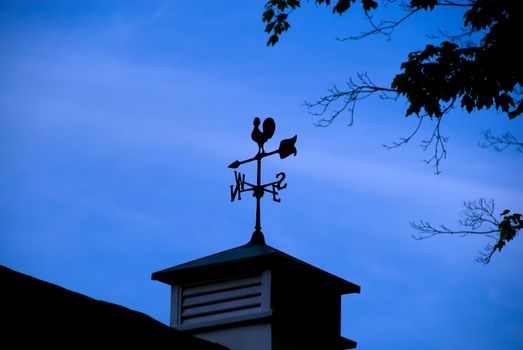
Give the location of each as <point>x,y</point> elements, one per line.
<point>377,177</point>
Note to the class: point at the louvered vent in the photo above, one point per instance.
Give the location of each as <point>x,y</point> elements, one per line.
<point>212,301</point>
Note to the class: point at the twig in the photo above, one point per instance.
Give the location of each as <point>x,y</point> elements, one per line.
<point>338,101</point>
<point>500,143</point>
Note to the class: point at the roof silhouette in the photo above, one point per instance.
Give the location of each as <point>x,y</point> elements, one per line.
<point>38,313</point>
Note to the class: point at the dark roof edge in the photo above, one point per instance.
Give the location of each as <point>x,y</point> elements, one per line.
<point>170,275</point>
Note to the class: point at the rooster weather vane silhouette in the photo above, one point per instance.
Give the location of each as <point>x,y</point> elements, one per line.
<point>287,147</point>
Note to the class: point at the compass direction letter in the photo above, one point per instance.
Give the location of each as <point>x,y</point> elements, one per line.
<point>278,186</point>
<point>238,187</point>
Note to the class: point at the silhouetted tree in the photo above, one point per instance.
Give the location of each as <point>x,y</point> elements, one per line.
<point>475,69</point>
<point>478,218</point>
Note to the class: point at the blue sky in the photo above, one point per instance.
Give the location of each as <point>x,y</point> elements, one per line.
<point>118,120</point>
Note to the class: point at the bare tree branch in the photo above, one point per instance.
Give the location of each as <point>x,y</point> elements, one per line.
<point>474,216</point>
<point>436,140</point>
<point>441,34</point>
<point>384,27</point>
<point>339,101</point>
<point>478,218</point>
<point>387,27</point>
<point>500,143</point>
<point>404,140</point>
<point>426,230</point>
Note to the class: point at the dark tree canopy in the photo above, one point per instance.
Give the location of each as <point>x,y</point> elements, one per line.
<point>477,73</point>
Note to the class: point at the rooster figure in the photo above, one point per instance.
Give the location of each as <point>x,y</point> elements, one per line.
<point>261,136</point>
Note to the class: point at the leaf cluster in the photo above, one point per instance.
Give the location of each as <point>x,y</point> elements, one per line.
<point>480,76</point>
<point>508,228</point>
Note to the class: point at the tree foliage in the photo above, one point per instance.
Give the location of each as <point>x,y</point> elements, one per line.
<point>476,74</point>
<point>476,69</point>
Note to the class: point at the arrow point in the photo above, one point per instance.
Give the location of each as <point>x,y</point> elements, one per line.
<point>234,164</point>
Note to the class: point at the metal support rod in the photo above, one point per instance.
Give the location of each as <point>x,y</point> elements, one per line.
<point>258,195</point>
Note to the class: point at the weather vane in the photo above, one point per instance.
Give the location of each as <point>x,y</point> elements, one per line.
<point>287,147</point>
